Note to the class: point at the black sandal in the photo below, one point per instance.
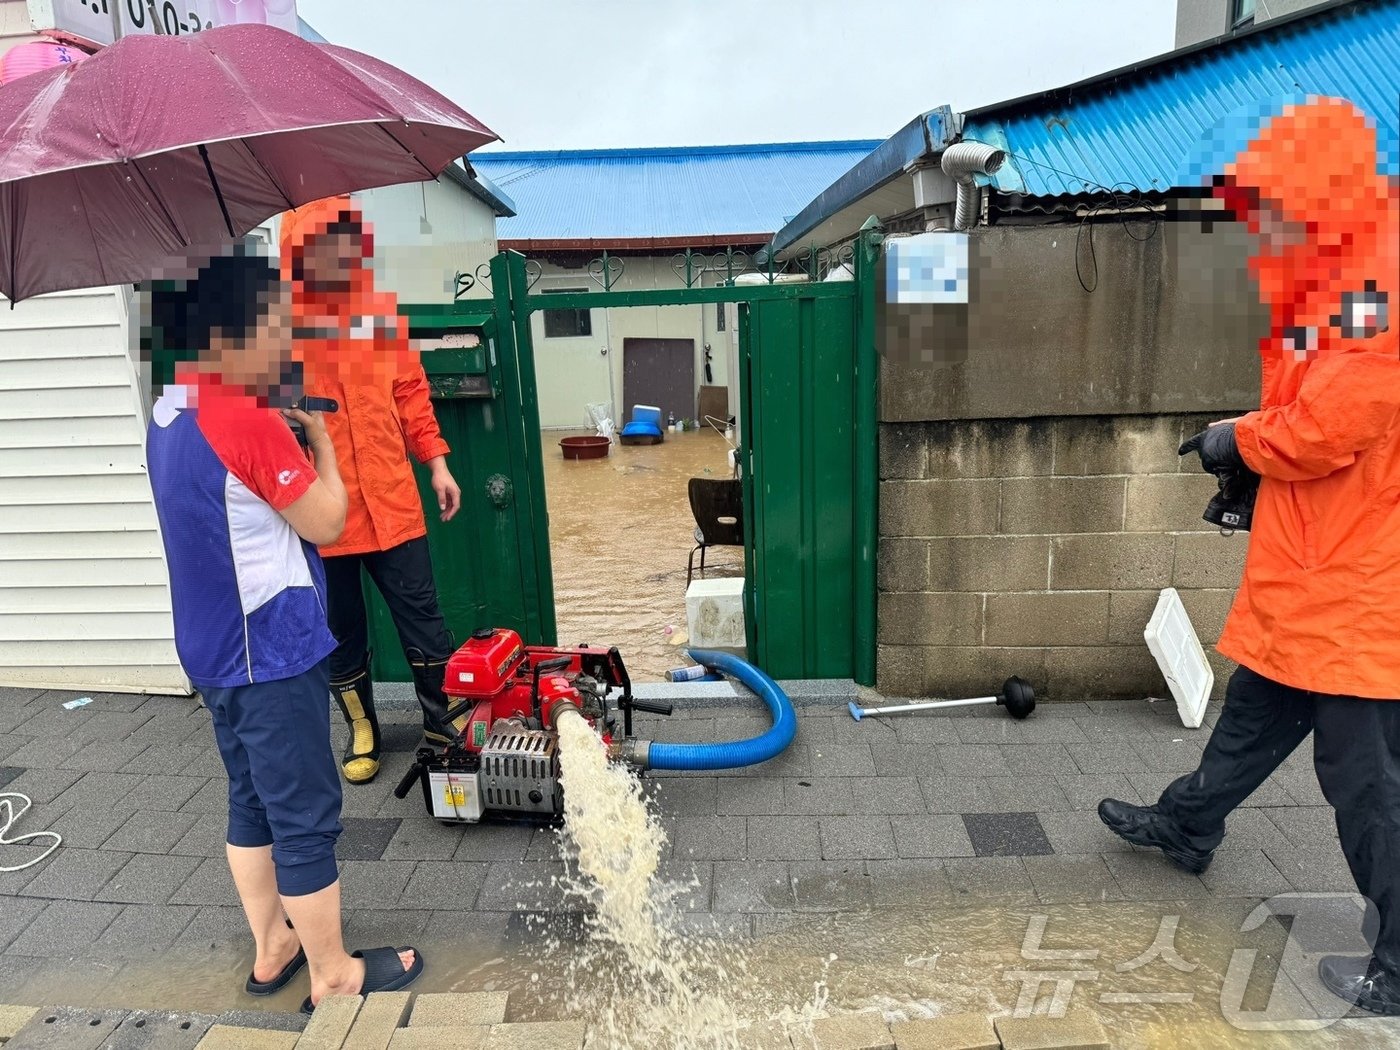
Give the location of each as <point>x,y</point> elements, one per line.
<point>384,972</point>
<point>256,987</point>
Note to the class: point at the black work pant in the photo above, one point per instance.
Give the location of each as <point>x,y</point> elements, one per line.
<point>1356,752</point>
<point>404,576</point>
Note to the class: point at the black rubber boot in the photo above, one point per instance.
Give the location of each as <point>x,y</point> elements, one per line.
<point>355,696</point>
<point>428,676</point>
<point>1362,982</point>
<point>1144,826</point>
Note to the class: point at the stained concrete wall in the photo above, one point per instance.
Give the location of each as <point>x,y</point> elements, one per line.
<point>1172,325</point>
<point>1199,20</point>
<point>1032,501</point>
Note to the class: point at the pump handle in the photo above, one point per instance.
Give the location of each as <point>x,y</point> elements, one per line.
<point>415,772</point>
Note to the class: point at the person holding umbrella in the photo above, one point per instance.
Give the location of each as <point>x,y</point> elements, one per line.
<point>240,511</point>
<point>357,353</point>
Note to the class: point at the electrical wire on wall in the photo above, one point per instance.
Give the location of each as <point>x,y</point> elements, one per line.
<point>1119,200</point>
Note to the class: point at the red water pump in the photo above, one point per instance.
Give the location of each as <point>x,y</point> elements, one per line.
<point>504,762</point>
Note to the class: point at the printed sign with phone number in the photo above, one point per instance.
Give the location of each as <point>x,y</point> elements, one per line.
<point>92,21</point>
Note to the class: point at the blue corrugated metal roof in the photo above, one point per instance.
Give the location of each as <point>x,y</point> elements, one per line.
<point>1135,129</point>
<point>637,194</point>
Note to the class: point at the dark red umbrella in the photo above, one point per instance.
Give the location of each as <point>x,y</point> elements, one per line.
<point>110,167</point>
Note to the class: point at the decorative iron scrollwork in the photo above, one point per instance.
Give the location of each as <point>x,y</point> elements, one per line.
<point>462,283</point>
<point>690,267</point>
<point>605,271</point>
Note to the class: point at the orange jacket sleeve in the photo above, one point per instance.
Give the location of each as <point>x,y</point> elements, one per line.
<point>415,407</point>
<point>1345,404</point>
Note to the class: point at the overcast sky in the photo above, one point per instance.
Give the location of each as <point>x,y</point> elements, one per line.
<point>574,74</point>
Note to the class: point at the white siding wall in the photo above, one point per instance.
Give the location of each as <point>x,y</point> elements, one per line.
<point>15,27</point>
<point>84,598</point>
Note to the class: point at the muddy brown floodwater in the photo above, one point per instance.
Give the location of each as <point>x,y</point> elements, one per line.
<point>620,532</point>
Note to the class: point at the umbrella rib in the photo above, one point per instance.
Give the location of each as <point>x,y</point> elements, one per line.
<point>87,217</point>
<point>218,193</point>
<point>264,169</point>
<point>170,219</point>
<point>431,174</point>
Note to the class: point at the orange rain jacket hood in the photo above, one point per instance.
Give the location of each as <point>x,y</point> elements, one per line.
<point>356,350</point>
<point>1319,605</point>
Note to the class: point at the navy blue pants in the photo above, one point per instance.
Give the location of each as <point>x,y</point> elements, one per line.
<point>283,785</point>
<point>1356,753</point>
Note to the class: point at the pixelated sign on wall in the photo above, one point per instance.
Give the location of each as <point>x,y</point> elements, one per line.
<point>926,289</point>
<point>927,268</point>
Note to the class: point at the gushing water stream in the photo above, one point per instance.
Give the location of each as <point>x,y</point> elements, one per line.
<point>642,980</point>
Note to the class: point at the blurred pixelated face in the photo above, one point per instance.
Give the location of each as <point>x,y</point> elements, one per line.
<point>330,259</point>
<point>1274,232</point>
<point>264,362</point>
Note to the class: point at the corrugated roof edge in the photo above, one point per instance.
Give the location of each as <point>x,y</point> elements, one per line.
<point>488,156</point>
<point>879,168</point>
<point>482,188</point>
<point>1271,26</point>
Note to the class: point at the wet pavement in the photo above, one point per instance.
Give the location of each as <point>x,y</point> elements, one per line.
<point>621,531</point>
<point>948,863</point>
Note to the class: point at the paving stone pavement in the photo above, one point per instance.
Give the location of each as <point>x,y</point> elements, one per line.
<point>907,811</point>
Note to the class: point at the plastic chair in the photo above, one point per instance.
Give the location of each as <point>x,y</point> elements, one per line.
<point>718,506</point>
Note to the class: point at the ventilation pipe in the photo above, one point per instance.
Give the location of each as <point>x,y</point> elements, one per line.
<point>962,161</point>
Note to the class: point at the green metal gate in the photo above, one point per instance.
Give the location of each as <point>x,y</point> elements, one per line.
<point>491,562</point>
<point>809,453</point>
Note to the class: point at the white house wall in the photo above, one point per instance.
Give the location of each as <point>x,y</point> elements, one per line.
<point>15,27</point>
<point>425,233</point>
<point>571,373</point>
<point>84,596</point>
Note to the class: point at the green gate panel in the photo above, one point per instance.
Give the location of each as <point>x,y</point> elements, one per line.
<point>799,402</point>
<point>485,560</point>
<point>808,371</point>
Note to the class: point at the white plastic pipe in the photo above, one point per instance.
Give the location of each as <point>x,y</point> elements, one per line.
<point>858,712</point>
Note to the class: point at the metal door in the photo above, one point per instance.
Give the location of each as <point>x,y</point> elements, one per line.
<point>659,372</point>
<point>798,395</point>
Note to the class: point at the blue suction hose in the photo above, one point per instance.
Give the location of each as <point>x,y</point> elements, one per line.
<point>730,754</point>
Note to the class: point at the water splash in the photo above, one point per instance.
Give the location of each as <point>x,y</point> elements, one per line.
<point>645,976</point>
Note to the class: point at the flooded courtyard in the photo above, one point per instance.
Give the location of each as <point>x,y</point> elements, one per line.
<point>621,531</point>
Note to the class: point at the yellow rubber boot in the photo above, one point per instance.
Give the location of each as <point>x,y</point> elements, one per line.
<point>355,697</point>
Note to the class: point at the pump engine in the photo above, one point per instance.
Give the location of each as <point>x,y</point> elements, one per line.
<point>504,762</point>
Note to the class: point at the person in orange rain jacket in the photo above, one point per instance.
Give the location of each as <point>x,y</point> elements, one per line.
<point>356,351</point>
<point>1314,624</point>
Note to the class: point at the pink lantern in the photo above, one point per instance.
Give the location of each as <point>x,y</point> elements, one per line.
<point>35,57</point>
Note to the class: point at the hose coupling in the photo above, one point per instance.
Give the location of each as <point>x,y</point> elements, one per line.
<point>633,751</point>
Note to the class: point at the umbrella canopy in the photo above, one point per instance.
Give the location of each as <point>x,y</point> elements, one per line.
<point>111,166</point>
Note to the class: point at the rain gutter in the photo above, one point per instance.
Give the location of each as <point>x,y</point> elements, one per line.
<point>920,139</point>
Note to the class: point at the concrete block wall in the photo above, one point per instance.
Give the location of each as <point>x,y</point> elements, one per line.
<point>1038,547</point>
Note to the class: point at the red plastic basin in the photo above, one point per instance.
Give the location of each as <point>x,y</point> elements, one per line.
<point>585,447</point>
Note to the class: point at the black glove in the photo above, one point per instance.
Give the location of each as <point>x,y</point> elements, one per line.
<point>1219,453</point>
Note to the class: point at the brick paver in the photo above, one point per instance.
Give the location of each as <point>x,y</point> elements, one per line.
<point>966,808</point>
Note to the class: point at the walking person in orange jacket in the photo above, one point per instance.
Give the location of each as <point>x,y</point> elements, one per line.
<point>356,349</point>
<point>1313,626</point>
